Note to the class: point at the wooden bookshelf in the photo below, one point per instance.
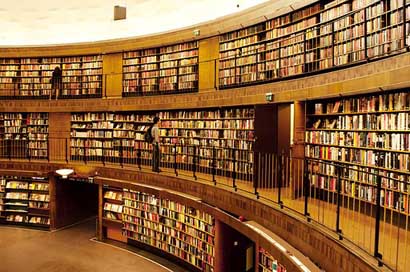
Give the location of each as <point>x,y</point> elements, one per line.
<point>222,137</point>
<point>82,76</point>
<point>177,229</point>
<point>24,135</point>
<point>267,263</point>
<point>9,76</point>
<point>91,136</point>
<point>113,205</point>
<point>370,135</point>
<point>164,70</point>
<point>31,77</point>
<point>2,198</point>
<point>27,201</point>
<point>318,37</point>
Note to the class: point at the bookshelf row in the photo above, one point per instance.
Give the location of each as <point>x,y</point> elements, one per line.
<point>222,136</point>
<point>368,136</point>
<point>24,134</point>
<point>25,201</point>
<point>324,35</point>
<point>81,76</point>
<point>169,69</point>
<point>177,229</point>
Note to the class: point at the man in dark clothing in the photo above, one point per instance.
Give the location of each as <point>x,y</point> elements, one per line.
<point>56,81</point>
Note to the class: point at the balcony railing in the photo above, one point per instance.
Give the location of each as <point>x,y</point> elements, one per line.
<point>371,209</point>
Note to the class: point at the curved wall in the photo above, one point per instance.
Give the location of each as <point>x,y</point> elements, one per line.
<point>319,245</point>
<point>381,75</point>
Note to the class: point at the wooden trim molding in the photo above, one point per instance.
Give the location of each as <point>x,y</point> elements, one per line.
<point>312,240</point>
<point>387,74</point>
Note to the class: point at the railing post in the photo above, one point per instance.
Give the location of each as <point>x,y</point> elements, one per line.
<point>9,148</point>
<point>339,200</point>
<point>365,32</point>
<point>85,153</point>
<point>255,173</point>
<point>405,45</point>
<point>213,165</point>
<point>194,163</point>
<point>216,84</point>
<point>234,169</point>
<point>306,187</point>
<point>103,155</point>
<point>121,155</point>
<point>281,177</point>
<point>377,255</point>
<point>139,158</point>
<point>175,160</point>
<point>66,150</point>
<point>28,150</point>
<point>48,150</point>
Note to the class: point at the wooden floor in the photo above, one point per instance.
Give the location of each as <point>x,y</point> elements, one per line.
<point>71,250</point>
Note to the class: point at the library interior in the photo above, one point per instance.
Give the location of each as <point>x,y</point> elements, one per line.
<point>270,136</point>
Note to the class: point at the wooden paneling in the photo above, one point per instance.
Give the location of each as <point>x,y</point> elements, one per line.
<point>208,64</point>
<point>298,149</point>
<point>74,201</point>
<point>283,134</point>
<point>59,124</point>
<point>355,80</point>
<point>232,247</point>
<point>59,135</point>
<point>112,75</point>
<point>266,128</point>
<point>312,241</point>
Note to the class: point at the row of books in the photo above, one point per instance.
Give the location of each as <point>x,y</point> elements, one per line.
<point>267,263</point>
<point>22,198</point>
<point>152,68</point>
<point>148,219</point>
<point>375,140</point>
<point>397,101</point>
<point>384,159</point>
<point>399,201</point>
<point>345,37</point>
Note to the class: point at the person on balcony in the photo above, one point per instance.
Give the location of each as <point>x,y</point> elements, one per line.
<point>155,145</point>
<point>56,81</point>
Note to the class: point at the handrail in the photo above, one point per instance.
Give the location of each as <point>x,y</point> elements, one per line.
<point>296,185</point>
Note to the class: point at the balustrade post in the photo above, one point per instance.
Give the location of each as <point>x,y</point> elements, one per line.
<point>175,160</point>
<point>339,200</point>
<point>194,164</point>
<point>234,169</point>
<point>377,254</point>
<point>306,188</point>
<point>213,165</point>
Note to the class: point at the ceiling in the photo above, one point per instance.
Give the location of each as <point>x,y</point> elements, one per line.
<point>29,22</point>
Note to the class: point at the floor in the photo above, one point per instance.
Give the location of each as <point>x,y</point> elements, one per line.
<point>71,250</point>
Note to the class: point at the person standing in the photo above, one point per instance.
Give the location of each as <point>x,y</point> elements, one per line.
<point>56,81</point>
<point>155,145</point>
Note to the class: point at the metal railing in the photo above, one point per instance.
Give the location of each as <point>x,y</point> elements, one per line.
<point>368,206</point>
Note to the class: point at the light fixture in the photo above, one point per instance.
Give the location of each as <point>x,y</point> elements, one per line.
<point>120,13</point>
<point>64,173</point>
<point>196,32</point>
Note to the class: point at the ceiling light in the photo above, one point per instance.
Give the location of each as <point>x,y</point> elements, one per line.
<point>120,13</point>
<point>64,173</point>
